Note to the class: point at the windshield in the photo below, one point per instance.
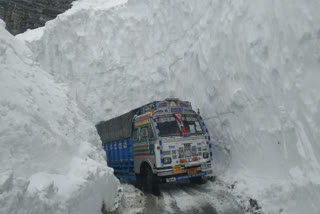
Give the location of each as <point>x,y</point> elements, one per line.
<point>191,123</point>
<point>168,126</point>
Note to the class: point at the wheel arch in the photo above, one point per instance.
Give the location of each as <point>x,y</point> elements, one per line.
<point>146,163</point>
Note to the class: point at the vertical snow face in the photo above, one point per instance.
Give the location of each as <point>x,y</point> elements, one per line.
<point>49,158</point>
<point>252,68</point>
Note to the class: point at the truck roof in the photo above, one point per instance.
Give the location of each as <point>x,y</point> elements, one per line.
<point>117,128</point>
<point>120,127</point>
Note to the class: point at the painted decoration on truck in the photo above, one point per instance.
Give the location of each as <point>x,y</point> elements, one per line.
<point>146,109</point>
<point>176,110</point>
<point>142,122</point>
<point>159,111</point>
<point>162,105</point>
<point>144,116</point>
<point>185,105</point>
<point>165,119</point>
<point>142,154</point>
<point>140,147</point>
<point>143,150</point>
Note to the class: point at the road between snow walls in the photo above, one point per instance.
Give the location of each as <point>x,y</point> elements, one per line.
<point>214,197</point>
<point>251,66</point>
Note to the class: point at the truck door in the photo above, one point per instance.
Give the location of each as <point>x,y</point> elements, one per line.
<point>143,139</point>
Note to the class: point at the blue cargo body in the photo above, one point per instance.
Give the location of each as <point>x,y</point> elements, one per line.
<point>120,157</point>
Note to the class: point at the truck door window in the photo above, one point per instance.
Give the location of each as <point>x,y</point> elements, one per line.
<point>144,133</point>
<point>151,133</point>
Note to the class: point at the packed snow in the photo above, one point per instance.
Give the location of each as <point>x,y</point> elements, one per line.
<point>50,157</point>
<point>251,66</point>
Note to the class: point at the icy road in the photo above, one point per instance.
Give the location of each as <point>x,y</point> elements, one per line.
<point>182,197</point>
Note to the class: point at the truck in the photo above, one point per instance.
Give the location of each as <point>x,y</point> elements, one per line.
<point>162,141</point>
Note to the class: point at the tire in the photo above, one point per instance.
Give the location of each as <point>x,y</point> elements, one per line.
<point>150,182</point>
<point>139,181</point>
<point>198,180</point>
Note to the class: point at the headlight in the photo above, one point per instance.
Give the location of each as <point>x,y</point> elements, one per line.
<point>166,160</point>
<point>205,155</point>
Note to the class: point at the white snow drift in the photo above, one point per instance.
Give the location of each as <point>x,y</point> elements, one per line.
<point>49,161</point>
<point>252,67</point>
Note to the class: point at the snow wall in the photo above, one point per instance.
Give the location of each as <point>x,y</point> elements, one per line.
<point>251,66</point>
<point>49,156</point>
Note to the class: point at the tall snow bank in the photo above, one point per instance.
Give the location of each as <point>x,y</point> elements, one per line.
<point>251,66</point>
<point>49,160</point>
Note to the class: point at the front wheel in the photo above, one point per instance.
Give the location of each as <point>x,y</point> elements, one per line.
<point>139,181</point>
<point>151,183</point>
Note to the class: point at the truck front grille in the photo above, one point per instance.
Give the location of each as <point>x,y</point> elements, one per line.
<point>165,153</point>
<point>187,150</point>
<point>194,151</point>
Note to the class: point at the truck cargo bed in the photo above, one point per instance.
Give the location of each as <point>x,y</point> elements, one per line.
<point>120,157</point>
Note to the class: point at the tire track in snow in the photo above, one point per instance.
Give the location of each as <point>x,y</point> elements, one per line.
<point>178,198</point>
<point>184,197</point>
<point>187,199</point>
<point>219,198</point>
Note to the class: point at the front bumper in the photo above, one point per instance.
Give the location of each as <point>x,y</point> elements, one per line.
<point>167,174</point>
<point>183,177</point>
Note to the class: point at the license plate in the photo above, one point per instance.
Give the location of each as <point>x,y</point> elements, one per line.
<point>192,171</point>
<point>176,168</point>
<point>171,179</point>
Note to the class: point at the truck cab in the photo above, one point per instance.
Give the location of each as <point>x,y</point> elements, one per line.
<point>172,140</point>
<point>162,141</point>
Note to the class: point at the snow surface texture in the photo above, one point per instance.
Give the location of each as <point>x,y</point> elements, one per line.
<point>251,66</point>
<point>49,156</point>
